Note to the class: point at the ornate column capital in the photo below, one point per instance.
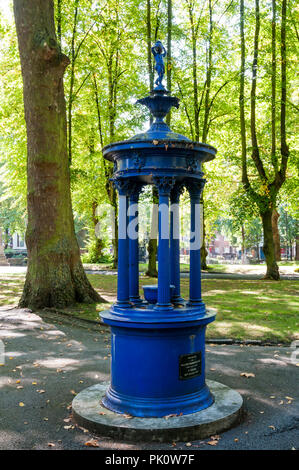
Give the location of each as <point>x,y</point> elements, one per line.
<point>176,192</point>
<point>136,190</point>
<point>164,184</point>
<point>122,185</point>
<point>195,187</point>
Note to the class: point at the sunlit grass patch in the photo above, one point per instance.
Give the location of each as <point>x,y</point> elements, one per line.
<point>247,309</point>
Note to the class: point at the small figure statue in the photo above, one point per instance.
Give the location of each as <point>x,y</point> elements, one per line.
<point>159,52</point>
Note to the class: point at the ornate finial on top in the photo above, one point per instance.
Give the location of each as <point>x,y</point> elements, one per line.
<point>159,53</point>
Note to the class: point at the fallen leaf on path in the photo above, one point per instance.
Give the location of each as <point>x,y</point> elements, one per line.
<point>18,381</point>
<point>212,443</point>
<point>50,444</point>
<point>83,429</point>
<point>289,398</point>
<point>127,416</point>
<point>247,374</point>
<point>188,444</point>
<point>272,427</point>
<point>92,443</point>
<point>21,403</point>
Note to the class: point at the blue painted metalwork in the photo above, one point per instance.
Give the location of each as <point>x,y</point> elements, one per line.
<point>159,52</point>
<point>158,347</point>
<point>133,245</point>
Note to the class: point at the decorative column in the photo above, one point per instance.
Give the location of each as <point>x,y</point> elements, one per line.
<point>133,244</point>
<point>124,187</point>
<point>175,243</point>
<point>195,188</point>
<point>164,185</point>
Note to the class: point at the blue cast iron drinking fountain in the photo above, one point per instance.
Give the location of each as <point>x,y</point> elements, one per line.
<point>157,343</point>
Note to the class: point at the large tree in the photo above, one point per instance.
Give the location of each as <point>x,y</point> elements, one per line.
<point>268,174</point>
<point>55,275</point>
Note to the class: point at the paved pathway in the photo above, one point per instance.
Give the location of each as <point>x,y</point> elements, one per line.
<point>246,276</point>
<point>49,358</point>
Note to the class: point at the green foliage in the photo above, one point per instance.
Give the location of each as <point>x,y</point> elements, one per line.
<point>107,46</point>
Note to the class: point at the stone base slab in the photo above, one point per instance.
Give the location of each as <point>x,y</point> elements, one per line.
<point>225,412</point>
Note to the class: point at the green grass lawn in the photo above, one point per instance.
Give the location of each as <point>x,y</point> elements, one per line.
<point>265,310</point>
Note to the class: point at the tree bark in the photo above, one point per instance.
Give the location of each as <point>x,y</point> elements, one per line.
<point>207,106</point>
<point>203,250</point>
<point>243,245</point>
<point>297,247</point>
<point>276,237</point>
<point>268,248</point>
<point>58,20</point>
<point>169,39</point>
<point>153,243</point>
<point>55,275</point>
<point>72,81</point>
<point>98,242</point>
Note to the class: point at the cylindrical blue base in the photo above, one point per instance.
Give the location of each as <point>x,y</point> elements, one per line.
<point>158,369</point>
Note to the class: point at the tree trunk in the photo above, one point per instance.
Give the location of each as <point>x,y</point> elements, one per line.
<point>153,244</point>
<point>169,38</point>
<point>58,20</point>
<point>297,248</point>
<point>207,105</point>
<point>55,275</point>
<point>110,190</point>
<point>243,245</point>
<point>268,248</point>
<point>276,237</point>
<point>98,242</point>
<point>72,81</point>
<point>203,250</point>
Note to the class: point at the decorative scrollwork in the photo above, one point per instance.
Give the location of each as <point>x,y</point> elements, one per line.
<point>176,192</point>
<point>136,189</point>
<point>195,187</point>
<point>164,184</point>
<point>123,186</point>
<point>192,164</point>
<point>138,161</point>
